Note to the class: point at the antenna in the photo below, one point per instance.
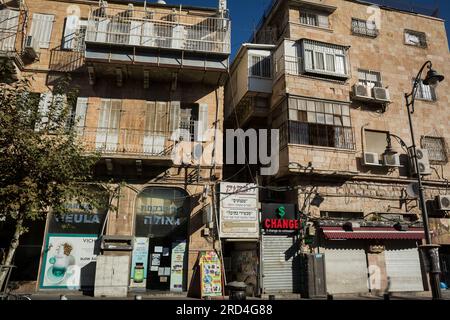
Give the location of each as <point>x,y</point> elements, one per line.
<point>412,190</point>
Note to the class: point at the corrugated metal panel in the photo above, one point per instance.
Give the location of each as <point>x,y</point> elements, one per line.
<point>278,260</point>
<point>403,267</point>
<point>346,268</point>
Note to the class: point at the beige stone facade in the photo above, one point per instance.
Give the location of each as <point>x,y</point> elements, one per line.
<point>140,84</point>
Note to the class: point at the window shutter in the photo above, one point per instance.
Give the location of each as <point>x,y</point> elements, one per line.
<point>308,60</point>
<point>202,124</point>
<point>80,112</point>
<point>41,29</point>
<point>102,30</point>
<point>150,118</point>
<point>44,108</point>
<point>340,65</point>
<point>70,32</point>
<point>161,117</point>
<point>148,37</point>
<point>9,23</point>
<point>174,121</point>
<point>323,21</point>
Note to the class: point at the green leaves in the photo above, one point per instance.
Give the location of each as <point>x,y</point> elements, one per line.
<point>41,169</point>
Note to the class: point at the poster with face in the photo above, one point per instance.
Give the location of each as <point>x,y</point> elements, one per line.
<point>69,262</point>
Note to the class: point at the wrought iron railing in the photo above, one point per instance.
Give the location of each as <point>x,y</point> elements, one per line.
<point>159,29</point>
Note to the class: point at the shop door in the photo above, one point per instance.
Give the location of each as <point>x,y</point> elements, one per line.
<point>280,265</point>
<point>346,267</point>
<point>403,267</point>
<point>160,260</point>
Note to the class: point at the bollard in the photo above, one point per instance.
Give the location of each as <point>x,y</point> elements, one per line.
<point>271,297</point>
<point>63,297</point>
<point>137,297</point>
<point>330,297</point>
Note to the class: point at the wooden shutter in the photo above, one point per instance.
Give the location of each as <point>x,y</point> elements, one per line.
<point>102,30</point>
<point>80,112</point>
<point>44,108</point>
<point>41,29</point>
<point>9,23</point>
<point>70,32</point>
<point>202,124</point>
<point>148,37</point>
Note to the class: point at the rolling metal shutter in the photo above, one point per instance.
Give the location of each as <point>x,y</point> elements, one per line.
<point>403,267</point>
<point>278,259</point>
<point>346,267</point>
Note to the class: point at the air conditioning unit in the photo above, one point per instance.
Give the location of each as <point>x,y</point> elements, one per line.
<point>32,48</point>
<point>424,162</point>
<point>392,160</point>
<point>361,92</point>
<point>371,159</point>
<point>443,202</point>
<point>381,94</point>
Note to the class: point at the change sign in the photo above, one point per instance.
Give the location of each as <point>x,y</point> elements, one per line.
<point>239,210</point>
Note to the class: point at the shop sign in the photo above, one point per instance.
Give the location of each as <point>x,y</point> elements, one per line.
<point>69,261</point>
<point>238,210</point>
<point>279,218</point>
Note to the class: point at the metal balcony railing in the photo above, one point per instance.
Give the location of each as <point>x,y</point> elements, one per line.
<point>125,141</point>
<point>288,65</point>
<point>159,29</point>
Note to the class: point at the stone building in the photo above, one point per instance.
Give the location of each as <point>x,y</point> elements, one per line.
<point>331,76</point>
<point>150,78</point>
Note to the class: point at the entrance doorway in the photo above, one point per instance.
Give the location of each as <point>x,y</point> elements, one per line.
<point>162,216</point>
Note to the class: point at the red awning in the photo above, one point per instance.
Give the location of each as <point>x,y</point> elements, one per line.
<point>337,233</point>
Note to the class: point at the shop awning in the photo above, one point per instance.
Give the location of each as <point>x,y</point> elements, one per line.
<point>337,233</point>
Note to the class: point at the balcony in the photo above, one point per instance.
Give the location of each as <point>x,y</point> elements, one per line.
<point>161,38</point>
<point>66,61</point>
<point>127,143</point>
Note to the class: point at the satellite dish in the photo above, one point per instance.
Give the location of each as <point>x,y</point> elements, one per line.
<point>413,190</point>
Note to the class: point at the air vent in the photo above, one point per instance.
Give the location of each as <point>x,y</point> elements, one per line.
<point>443,202</point>
<point>423,160</point>
<point>392,160</point>
<point>361,92</point>
<point>381,94</point>
<point>371,159</point>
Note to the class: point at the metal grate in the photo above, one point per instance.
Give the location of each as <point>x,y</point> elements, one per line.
<point>436,147</point>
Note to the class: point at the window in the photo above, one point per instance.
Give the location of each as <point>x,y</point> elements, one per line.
<point>365,28</point>
<point>41,29</point>
<point>312,18</point>
<point>260,66</point>
<point>319,123</point>
<point>375,141</point>
<point>425,92</point>
<point>370,79</point>
<point>415,38</point>
<point>323,58</point>
<point>437,149</point>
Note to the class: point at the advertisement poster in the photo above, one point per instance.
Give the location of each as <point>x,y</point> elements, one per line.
<point>177,266</point>
<point>140,257</point>
<point>210,274</point>
<point>69,262</point>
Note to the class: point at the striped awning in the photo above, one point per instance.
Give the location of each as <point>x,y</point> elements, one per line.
<point>337,233</point>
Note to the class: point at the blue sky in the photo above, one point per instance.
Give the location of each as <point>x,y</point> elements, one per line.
<point>246,14</point>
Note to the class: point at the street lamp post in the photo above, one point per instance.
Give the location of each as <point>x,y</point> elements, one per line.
<point>430,250</point>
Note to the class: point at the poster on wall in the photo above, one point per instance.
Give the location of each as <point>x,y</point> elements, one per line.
<point>177,266</point>
<point>69,261</point>
<point>139,263</point>
<point>210,274</point>
<point>239,210</point>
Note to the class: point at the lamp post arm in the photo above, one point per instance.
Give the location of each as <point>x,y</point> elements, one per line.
<point>413,93</point>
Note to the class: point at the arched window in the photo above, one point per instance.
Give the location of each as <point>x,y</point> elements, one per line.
<point>162,212</point>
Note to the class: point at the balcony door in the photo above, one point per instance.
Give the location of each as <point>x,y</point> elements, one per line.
<point>107,138</point>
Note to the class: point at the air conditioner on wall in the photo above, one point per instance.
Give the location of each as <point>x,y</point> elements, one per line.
<point>32,48</point>
<point>424,162</point>
<point>371,159</point>
<point>392,160</point>
<point>381,94</point>
<point>443,202</point>
<point>361,92</point>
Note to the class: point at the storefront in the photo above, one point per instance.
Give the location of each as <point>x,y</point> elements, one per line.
<point>359,259</point>
<point>280,260</point>
<point>440,231</point>
<point>161,231</point>
<point>239,233</point>
<point>71,247</point>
